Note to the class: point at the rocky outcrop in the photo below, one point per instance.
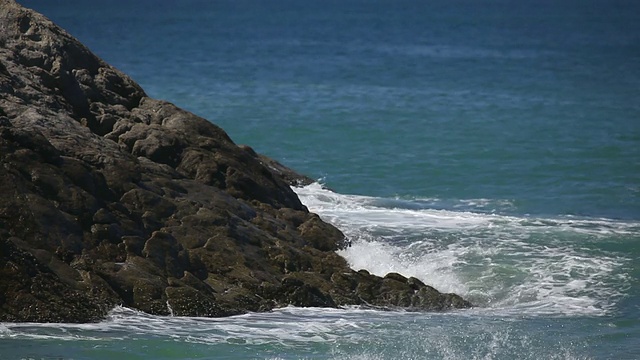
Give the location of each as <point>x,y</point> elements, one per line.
<point>110,197</point>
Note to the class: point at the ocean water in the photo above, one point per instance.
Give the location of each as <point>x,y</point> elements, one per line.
<point>490,148</point>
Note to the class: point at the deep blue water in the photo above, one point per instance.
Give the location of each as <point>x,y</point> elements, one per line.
<point>491,148</point>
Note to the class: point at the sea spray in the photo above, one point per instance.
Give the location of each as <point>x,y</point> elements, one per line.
<point>169,308</point>
<point>542,266</point>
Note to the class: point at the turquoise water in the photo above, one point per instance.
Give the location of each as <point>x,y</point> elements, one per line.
<point>490,148</point>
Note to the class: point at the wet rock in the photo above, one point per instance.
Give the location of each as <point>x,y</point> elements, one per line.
<point>31,291</point>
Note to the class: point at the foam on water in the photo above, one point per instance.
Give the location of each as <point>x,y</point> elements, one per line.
<point>420,214</point>
<point>341,333</point>
<point>509,264</point>
<point>304,326</point>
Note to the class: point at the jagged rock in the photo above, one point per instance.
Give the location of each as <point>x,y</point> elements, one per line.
<point>110,197</point>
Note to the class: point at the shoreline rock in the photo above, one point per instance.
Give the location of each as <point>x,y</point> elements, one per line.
<point>112,198</point>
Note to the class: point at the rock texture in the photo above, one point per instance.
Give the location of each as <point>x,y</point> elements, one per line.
<point>110,197</point>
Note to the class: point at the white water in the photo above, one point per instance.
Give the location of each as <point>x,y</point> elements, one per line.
<point>505,264</point>
<point>299,333</point>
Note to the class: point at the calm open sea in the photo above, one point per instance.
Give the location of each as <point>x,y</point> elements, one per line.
<point>488,147</point>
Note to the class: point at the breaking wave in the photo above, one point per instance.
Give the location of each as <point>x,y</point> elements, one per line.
<point>502,263</point>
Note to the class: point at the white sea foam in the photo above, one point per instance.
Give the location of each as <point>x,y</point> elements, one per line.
<point>303,326</point>
<point>511,264</point>
<point>348,333</point>
<point>352,333</point>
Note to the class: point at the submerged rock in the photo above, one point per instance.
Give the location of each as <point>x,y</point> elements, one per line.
<point>112,198</point>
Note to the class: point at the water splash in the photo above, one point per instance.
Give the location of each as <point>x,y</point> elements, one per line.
<point>513,264</point>
<point>170,309</point>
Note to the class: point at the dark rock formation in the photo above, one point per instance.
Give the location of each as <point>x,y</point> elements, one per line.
<point>109,197</point>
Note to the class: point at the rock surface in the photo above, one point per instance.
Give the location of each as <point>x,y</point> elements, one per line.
<point>109,197</point>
